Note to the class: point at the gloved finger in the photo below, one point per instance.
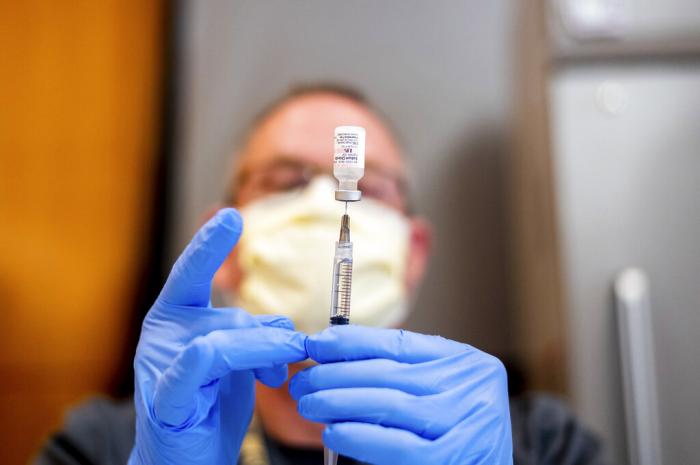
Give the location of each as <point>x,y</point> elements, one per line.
<point>426,416</point>
<point>417,379</point>
<point>379,445</point>
<point>199,321</point>
<point>352,342</point>
<point>276,321</point>
<point>189,322</point>
<point>189,282</point>
<point>277,375</point>
<point>208,358</point>
<point>273,377</point>
<point>212,319</point>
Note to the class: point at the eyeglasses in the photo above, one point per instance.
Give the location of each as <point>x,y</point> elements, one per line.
<point>287,175</point>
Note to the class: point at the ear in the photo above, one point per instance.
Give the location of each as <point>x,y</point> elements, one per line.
<point>420,246</point>
<point>227,276</point>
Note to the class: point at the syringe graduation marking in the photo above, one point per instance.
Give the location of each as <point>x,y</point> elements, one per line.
<point>344,289</point>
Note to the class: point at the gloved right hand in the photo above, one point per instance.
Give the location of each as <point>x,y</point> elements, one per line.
<point>195,365</point>
<point>393,397</point>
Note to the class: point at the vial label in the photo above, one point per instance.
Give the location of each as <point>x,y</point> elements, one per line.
<point>349,150</point>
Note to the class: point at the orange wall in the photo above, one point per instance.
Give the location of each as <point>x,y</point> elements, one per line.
<point>79,101</point>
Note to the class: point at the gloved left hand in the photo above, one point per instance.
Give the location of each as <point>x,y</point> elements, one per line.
<point>393,397</point>
<point>196,366</point>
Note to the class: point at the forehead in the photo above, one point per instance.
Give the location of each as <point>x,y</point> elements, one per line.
<point>302,129</point>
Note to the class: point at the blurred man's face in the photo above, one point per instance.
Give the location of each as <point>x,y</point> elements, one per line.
<point>295,142</point>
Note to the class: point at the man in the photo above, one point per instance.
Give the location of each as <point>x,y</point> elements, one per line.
<point>380,396</point>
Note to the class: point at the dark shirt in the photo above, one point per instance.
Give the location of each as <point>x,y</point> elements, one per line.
<point>101,432</point>
<point>283,455</point>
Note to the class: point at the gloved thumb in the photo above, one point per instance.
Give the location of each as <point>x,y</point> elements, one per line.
<point>189,282</point>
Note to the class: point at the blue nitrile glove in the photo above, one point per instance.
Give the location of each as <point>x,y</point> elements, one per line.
<point>393,397</point>
<point>196,365</point>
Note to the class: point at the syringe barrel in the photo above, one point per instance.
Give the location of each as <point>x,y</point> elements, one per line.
<point>342,284</point>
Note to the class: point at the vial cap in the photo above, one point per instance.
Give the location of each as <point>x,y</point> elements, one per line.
<point>348,196</point>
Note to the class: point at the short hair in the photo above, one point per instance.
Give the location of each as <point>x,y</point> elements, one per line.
<point>302,90</point>
<point>333,88</point>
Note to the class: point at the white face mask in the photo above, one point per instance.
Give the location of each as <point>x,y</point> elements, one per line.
<point>286,258</point>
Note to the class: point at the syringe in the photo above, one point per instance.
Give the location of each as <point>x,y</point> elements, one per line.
<point>340,296</point>
<point>348,168</point>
